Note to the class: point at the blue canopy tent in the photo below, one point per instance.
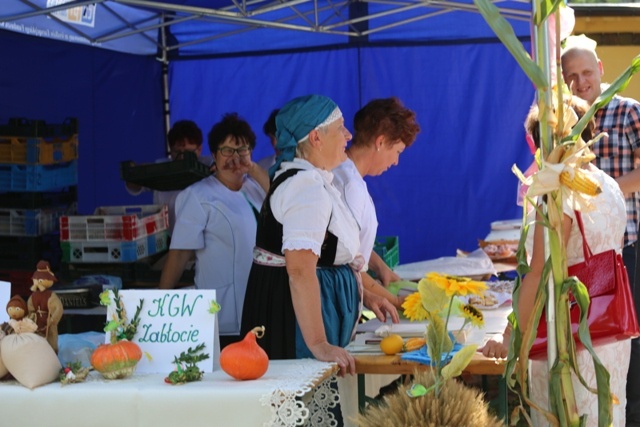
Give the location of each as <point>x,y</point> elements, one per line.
<point>439,57</point>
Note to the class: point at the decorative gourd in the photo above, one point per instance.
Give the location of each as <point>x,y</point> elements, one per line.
<point>245,360</point>
<point>117,360</point>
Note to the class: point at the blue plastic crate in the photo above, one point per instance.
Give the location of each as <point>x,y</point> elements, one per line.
<point>14,177</point>
<point>18,126</point>
<point>32,222</point>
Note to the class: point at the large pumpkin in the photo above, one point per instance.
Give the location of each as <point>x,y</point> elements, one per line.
<point>117,360</point>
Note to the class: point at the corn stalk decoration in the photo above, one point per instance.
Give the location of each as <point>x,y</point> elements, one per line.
<point>555,286</point>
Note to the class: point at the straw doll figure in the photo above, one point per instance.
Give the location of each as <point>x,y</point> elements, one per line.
<point>44,306</point>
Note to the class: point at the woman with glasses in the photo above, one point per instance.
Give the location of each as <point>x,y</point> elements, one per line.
<point>216,221</point>
<point>304,283</point>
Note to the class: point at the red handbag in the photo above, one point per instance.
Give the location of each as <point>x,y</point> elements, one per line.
<point>612,315</point>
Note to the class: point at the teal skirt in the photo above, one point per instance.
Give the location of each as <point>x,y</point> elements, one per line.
<point>340,307</point>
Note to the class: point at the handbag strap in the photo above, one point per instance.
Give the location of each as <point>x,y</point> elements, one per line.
<point>586,250</point>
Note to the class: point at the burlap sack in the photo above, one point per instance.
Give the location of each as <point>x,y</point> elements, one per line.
<point>30,359</point>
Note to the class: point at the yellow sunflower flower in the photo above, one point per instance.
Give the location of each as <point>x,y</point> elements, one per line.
<point>413,308</point>
<point>474,315</point>
<point>456,285</point>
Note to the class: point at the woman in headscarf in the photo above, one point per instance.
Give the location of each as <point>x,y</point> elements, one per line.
<point>303,286</point>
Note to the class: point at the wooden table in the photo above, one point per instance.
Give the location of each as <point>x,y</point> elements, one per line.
<point>370,361</point>
<point>383,364</point>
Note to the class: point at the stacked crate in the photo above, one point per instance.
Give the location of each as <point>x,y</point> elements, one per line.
<point>38,184</point>
<point>115,240</point>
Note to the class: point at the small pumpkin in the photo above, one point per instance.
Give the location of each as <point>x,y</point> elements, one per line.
<point>414,344</point>
<point>245,360</point>
<point>116,360</point>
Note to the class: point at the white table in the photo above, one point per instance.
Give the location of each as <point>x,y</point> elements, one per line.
<point>289,394</point>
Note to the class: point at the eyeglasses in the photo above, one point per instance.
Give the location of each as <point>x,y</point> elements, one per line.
<point>228,151</point>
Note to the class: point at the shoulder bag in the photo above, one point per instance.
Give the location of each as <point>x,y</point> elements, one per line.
<point>612,315</point>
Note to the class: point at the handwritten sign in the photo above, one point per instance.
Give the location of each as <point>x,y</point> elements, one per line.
<point>5,294</point>
<point>171,321</point>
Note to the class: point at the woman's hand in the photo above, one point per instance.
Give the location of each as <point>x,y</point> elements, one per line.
<point>387,276</point>
<point>238,163</point>
<point>331,353</point>
<point>496,348</point>
<point>380,306</point>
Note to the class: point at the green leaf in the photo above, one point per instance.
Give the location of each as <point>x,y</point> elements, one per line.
<point>459,361</point>
<point>417,390</point>
<point>505,33</point>
<point>605,406</point>
<point>214,307</point>
<point>438,340</point>
<point>394,287</point>
<point>456,306</point>
<point>112,325</point>
<point>434,298</point>
<point>545,9</point>
<point>105,298</point>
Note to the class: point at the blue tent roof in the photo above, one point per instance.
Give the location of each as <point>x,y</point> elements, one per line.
<point>223,27</point>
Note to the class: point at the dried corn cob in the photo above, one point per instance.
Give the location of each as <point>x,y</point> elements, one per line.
<point>580,180</point>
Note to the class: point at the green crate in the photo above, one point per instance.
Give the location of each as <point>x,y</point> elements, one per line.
<point>388,249</point>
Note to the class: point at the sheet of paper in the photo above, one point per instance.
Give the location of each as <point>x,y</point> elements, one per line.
<point>5,295</point>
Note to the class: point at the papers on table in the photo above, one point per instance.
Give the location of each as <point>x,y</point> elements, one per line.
<point>477,263</point>
<point>369,333</point>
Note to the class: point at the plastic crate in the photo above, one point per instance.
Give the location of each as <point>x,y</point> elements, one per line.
<point>115,223</point>
<point>39,199</point>
<point>115,251</point>
<point>44,151</point>
<point>166,176</point>
<point>14,177</point>
<point>24,252</point>
<point>32,222</point>
<point>388,249</point>
<point>39,128</point>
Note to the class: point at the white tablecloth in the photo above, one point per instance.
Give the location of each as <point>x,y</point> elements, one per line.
<point>290,393</point>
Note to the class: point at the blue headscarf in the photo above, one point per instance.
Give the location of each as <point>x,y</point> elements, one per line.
<point>294,122</point>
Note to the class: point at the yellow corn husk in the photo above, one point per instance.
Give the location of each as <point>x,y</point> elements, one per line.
<point>414,344</point>
<point>556,154</point>
<point>579,180</point>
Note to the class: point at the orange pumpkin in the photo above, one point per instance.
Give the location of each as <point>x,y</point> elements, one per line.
<point>245,360</point>
<point>116,360</point>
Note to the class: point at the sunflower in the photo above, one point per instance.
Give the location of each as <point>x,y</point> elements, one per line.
<point>413,308</point>
<point>456,285</point>
<point>473,315</point>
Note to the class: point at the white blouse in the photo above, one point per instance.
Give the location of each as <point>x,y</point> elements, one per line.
<point>354,191</point>
<point>305,203</point>
<point>604,222</point>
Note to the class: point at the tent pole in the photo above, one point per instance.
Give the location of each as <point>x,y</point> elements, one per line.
<point>165,82</point>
